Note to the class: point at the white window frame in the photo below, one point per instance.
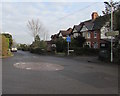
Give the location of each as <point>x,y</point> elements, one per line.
<point>75,34</point>
<point>95,45</point>
<point>88,35</point>
<point>88,43</point>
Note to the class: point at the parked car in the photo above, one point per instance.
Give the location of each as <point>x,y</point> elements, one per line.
<point>14,49</point>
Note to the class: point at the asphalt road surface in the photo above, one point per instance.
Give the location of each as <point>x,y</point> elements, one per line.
<point>27,73</point>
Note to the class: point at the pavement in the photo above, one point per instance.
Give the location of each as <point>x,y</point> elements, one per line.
<point>79,75</point>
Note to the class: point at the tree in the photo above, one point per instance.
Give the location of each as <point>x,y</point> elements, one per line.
<point>117,20</point>
<point>23,47</point>
<point>43,45</point>
<point>35,27</point>
<point>116,26</point>
<point>4,45</point>
<point>115,5</point>
<point>61,45</point>
<point>36,43</point>
<point>37,38</point>
<point>10,39</point>
<point>78,41</point>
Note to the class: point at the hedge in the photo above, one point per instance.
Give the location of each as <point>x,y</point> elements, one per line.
<point>38,50</point>
<point>85,51</point>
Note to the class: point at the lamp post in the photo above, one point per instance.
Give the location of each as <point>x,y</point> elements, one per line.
<point>111,31</point>
<point>110,5</point>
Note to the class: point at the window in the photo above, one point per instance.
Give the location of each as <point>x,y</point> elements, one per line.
<point>95,45</point>
<point>83,34</point>
<point>88,35</point>
<point>89,44</point>
<point>95,34</point>
<point>76,34</point>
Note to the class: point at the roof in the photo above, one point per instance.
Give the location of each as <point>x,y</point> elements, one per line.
<point>89,24</point>
<point>95,24</point>
<point>78,27</point>
<point>100,22</point>
<point>65,32</point>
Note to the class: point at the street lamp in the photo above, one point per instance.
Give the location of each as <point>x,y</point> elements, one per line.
<point>110,5</point>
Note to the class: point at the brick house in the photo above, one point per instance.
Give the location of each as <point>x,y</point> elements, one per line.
<point>91,30</point>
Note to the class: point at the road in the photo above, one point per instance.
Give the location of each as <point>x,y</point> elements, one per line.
<point>75,76</point>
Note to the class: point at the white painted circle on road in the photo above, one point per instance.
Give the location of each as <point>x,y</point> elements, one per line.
<point>42,66</point>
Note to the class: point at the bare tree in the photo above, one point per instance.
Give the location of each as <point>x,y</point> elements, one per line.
<point>45,35</point>
<point>115,5</point>
<point>35,27</point>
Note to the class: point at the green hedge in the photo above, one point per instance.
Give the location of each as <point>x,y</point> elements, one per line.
<point>85,51</point>
<point>38,51</point>
<point>104,55</point>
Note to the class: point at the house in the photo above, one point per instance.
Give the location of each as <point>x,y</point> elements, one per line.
<point>91,30</point>
<point>76,30</point>
<point>91,34</point>
<point>65,33</point>
<point>54,37</point>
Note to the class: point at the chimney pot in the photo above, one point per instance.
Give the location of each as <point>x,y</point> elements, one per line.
<point>94,15</point>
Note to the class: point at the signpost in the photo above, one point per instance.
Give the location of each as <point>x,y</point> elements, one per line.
<point>114,33</point>
<point>68,39</point>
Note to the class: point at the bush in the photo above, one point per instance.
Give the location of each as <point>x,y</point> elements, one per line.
<point>78,41</point>
<point>38,51</point>
<point>104,55</point>
<point>4,46</point>
<point>116,55</point>
<point>85,51</point>
<point>61,45</point>
<point>9,37</point>
<point>24,47</point>
<point>4,49</point>
<point>38,47</point>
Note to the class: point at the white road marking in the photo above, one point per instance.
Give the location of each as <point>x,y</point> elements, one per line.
<point>28,68</point>
<point>17,63</point>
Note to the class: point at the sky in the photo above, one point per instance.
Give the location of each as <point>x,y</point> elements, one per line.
<point>55,16</point>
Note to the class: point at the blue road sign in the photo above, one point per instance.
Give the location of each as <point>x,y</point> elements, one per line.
<point>68,39</point>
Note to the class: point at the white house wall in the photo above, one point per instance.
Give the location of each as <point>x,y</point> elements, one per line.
<point>84,28</point>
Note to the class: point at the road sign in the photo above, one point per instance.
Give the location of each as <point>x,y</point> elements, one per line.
<point>68,39</point>
<point>113,33</point>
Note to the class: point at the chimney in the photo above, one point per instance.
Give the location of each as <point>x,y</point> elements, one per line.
<point>94,15</point>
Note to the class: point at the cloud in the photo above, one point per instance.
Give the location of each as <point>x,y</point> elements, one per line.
<point>54,0</point>
<point>54,15</point>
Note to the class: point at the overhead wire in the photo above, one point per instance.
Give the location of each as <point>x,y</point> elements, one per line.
<point>73,13</point>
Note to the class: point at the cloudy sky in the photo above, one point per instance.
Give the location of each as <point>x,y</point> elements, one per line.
<point>53,15</point>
